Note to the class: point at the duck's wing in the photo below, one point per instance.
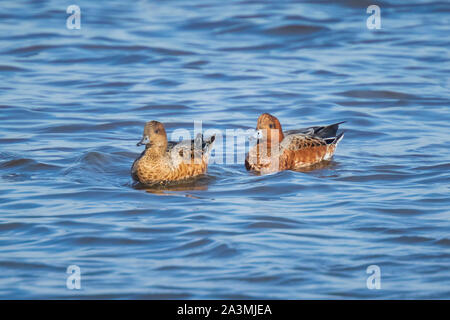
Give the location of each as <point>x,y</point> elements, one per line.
<point>207,144</point>
<point>301,141</point>
<point>324,132</point>
<point>194,143</point>
<point>309,130</point>
<point>190,149</point>
<point>170,145</point>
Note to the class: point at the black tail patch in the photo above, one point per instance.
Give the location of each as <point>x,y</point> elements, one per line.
<point>328,131</point>
<point>334,140</point>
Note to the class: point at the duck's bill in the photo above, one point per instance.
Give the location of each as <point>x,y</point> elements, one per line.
<point>256,135</point>
<point>145,140</point>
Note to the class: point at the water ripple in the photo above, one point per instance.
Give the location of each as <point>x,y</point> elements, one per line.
<point>74,103</point>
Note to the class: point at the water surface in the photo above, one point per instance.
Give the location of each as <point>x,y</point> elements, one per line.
<point>73,104</point>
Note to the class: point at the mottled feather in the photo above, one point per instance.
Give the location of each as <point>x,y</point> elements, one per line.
<point>164,161</point>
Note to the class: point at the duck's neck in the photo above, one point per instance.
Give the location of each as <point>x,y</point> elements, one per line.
<point>270,143</point>
<point>280,135</point>
<point>274,137</point>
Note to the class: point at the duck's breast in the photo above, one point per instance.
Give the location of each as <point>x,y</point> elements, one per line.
<point>263,159</point>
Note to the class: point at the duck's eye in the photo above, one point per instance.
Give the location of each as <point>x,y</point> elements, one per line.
<point>157,131</point>
<point>271,126</point>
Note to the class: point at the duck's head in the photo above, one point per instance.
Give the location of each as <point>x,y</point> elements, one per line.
<point>154,135</point>
<point>268,127</point>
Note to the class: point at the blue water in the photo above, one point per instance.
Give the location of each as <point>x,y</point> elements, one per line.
<point>73,104</point>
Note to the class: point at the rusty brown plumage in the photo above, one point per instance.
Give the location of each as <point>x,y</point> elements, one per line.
<point>277,150</point>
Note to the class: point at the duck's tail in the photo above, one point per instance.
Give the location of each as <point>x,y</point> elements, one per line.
<point>332,143</point>
<point>207,144</point>
<point>338,138</point>
<point>328,131</point>
<point>334,140</point>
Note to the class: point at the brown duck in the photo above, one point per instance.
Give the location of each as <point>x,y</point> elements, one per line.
<point>276,150</point>
<point>165,161</point>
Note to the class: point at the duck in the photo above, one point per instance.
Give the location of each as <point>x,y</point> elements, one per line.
<point>276,150</point>
<point>165,161</point>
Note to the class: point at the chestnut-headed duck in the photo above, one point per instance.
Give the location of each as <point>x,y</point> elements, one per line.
<point>276,150</point>
<point>165,161</point>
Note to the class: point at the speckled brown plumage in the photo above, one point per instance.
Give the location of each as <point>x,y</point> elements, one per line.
<point>277,150</point>
<point>164,161</point>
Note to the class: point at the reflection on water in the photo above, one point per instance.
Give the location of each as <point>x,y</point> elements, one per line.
<point>168,188</point>
<point>325,164</point>
<point>74,102</point>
